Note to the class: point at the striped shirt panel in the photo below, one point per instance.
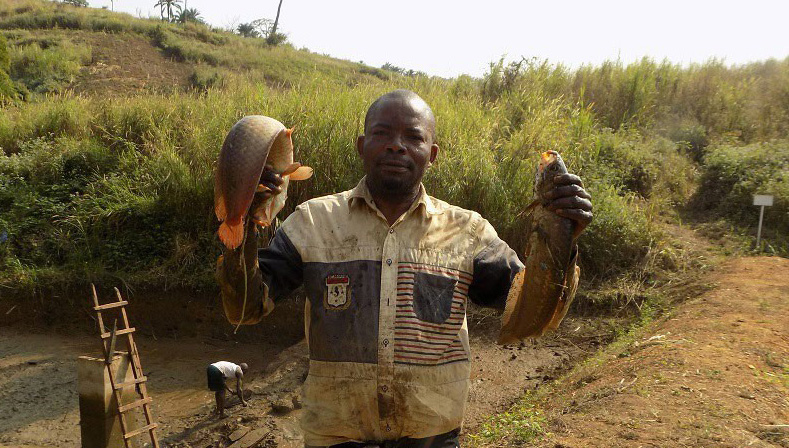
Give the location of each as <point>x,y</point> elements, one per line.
<point>422,343</point>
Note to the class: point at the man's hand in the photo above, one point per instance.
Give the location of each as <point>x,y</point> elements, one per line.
<point>568,199</point>
<point>268,186</point>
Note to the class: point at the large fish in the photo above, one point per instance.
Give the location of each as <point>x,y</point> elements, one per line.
<point>539,296</point>
<point>252,142</point>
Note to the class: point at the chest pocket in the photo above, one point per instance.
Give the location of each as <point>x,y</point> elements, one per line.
<point>433,297</point>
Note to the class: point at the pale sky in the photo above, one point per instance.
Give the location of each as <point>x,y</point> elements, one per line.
<point>448,38</point>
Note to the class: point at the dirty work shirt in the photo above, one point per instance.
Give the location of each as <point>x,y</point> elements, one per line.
<point>227,368</point>
<point>385,311</point>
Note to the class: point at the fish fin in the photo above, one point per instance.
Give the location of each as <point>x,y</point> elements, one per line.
<point>302,173</point>
<point>261,188</point>
<point>289,132</point>
<point>231,234</point>
<point>529,208</point>
<point>290,169</point>
<point>220,208</point>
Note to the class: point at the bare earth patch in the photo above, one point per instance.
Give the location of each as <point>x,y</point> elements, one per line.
<point>714,374</point>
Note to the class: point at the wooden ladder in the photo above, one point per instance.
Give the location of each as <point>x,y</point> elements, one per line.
<point>108,344</point>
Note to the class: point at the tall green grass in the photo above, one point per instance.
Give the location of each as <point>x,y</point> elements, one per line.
<point>123,187</point>
<point>47,66</point>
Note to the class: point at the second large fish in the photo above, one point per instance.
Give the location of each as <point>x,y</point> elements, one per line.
<point>540,293</point>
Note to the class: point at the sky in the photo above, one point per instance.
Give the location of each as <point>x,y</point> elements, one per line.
<point>445,38</point>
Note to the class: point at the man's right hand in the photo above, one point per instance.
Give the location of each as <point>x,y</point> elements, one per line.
<point>269,185</point>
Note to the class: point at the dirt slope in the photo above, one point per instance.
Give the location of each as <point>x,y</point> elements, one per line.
<point>713,374</point>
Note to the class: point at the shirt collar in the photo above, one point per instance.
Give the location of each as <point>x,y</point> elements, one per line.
<point>361,193</point>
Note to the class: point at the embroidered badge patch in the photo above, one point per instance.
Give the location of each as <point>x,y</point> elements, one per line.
<point>338,292</point>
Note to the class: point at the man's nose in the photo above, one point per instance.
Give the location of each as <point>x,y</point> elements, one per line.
<point>396,144</point>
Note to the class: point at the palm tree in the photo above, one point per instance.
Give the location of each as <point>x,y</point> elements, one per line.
<point>189,15</point>
<point>248,30</point>
<point>168,6</point>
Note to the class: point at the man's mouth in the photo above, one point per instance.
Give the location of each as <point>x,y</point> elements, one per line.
<point>394,166</point>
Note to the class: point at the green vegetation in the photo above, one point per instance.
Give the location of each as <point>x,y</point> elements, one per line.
<point>121,187</point>
<point>735,173</point>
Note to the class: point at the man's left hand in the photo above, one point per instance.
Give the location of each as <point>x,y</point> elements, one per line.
<point>568,199</point>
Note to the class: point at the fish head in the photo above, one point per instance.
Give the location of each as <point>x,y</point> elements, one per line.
<point>550,166</point>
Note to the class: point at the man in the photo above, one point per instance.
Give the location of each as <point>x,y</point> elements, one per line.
<point>388,272</point>
<point>217,374</point>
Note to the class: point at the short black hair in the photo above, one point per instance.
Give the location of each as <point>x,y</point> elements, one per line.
<point>402,94</point>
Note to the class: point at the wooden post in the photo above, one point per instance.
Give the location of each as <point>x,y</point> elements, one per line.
<point>99,423</point>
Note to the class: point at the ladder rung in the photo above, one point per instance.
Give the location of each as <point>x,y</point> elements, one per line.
<point>110,305</point>
<point>136,404</point>
<point>137,431</point>
<point>139,380</point>
<point>117,333</point>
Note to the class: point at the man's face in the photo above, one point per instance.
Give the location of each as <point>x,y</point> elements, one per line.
<point>397,146</point>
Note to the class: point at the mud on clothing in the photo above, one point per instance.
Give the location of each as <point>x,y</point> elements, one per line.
<point>385,314</point>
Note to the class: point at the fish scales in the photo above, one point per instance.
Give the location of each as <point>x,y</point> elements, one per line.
<point>535,301</point>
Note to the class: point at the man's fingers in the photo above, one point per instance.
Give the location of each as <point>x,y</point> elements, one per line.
<point>567,190</point>
<point>570,202</point>
<point>269,176</point>
<point>582,218</point>
<point>567,179</point>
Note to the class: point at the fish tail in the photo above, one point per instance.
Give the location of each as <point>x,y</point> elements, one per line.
<point>231,234</point>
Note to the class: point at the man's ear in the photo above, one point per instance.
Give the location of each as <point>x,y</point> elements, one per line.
<point>360,145</point>
<point>433,153</point>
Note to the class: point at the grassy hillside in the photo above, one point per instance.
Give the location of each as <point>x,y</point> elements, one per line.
<point>57,47</point>
<point>108,178</point>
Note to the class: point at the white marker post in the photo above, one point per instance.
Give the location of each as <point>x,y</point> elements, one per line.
<point>765,200</point>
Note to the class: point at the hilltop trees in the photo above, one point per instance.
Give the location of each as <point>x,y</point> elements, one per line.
<point>172,8</point>
<point>265,28</point>
<point>189,15</point>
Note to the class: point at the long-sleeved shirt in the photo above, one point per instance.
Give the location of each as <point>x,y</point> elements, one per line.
<point>385,311</point>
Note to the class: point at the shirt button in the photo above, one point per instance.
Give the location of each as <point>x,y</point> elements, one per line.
<point>384,388</point>
<point>388,428</point>
<point>391,230</point>
<point>388,261</point>
<point>386,342</point>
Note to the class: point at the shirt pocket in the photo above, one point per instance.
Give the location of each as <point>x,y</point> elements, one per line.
<point>433,297</point>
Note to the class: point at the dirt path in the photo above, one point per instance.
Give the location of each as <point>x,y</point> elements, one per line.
<point>715,373</point>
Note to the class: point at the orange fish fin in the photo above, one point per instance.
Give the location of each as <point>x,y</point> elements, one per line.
<point>220,208</point>
<point>231,234</point>
<point>289,132</point>
<point>290,169</point>
<point>302,173</point>
<point>261,188</point>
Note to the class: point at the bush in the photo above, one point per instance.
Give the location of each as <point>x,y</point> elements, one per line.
<point>49,67</point>
<point>733,174</point>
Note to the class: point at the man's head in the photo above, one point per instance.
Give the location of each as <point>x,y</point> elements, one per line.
<point>398,144</point>
<point>244,367</point>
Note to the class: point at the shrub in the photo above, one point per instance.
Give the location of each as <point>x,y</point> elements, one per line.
<point>47,68</point>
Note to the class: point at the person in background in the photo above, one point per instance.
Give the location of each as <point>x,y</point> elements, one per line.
<point>218,373</point>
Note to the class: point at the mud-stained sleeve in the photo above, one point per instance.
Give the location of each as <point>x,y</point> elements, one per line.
<point>272,275</point>
<point>281,266</point>
<point>495,265</point>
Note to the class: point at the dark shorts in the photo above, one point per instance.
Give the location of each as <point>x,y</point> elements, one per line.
<point>446,440</point>
<point>216,381</point>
